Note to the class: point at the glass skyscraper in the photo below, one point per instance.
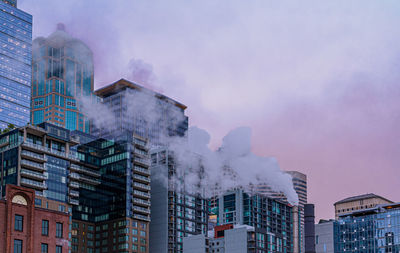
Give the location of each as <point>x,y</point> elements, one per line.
<point>371,230</point>
<point>15,64</point>
<point>62,73</point>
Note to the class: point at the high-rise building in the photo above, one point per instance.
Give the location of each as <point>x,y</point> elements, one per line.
<point>137,110</point>
<point>360,202</point>
<point>15,64</point>
<point>175,214</point>
<point>273,220</point>
<point>369,230</point>
<point>113,215</point>
<point>62,74</point>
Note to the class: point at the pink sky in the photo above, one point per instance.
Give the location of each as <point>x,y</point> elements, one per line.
<point>317,81</point>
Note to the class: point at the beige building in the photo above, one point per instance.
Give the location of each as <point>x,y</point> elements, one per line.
<point>360,202</point>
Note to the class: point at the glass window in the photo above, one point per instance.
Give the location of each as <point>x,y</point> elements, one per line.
<point>45,227</point>
<point>59,230</point>
<point>58,249</point>
<point>44,248</point>
<point>19,221</point>
<point>17,246</point>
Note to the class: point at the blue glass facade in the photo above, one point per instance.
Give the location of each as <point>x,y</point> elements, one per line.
<point>62,73</point>
<point>15,65</point>
<point>374,230</point>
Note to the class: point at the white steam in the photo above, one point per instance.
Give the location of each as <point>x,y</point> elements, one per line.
<point>233,165</point>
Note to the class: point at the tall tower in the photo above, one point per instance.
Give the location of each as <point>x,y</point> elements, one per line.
<point>15,64</point>
<point>62,73</point>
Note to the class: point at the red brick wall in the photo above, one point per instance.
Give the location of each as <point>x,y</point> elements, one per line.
<point>32,223</point>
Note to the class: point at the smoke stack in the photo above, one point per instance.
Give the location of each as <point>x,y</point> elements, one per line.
<point>309,228</point>
<point>60,27</point>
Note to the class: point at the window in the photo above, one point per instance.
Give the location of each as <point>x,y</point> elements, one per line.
<point>17,246</point>
<point>59,230</point>
<point>44,248</point>
<point>45,227</point>
<point>19,221</point>
<point>58,249</point>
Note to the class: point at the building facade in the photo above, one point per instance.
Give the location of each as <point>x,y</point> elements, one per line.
<point>15,64</point>
<point>360,202</point>
<point>325,232</point>
<point>225,239</point>
<point>137,110</point>
<point>115,214</point>
<point>370,230</point>
<point>273,220</point>
<point>175,214</point>
<point>62,75</point>
<point>27,227</point>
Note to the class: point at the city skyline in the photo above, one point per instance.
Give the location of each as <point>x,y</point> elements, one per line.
<point>320,96</point>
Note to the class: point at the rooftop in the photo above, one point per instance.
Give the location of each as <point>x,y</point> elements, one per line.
<point>122,84</point>
<point>360,197</point>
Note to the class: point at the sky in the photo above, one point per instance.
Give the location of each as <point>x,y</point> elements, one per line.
<point>317,81</point>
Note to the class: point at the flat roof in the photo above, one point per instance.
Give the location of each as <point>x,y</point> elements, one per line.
<point>122,84</point>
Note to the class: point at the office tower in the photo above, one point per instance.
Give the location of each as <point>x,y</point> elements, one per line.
<point>309,228</point>
<point>272,219</point>
<point>13,3</point>
<point>370,230</point>
<point>174,213</point>
<point>15,65</point>
<point>113,215</point>
<point>26,227</point>
<point>62,74</point>
<point>360,202</point>
<point>137,110</point>
<point>325,232</point>
<point>225,239</point>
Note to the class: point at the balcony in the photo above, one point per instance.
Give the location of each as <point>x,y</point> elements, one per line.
<point>33,146</point>
<point>141,194</point>
<point>33,175</point>
<point>140,143</point>
<point>141,170</point>
<point>141,186</point>
<point>74,193</point>
<point>33,156</point>
<point>33,165</point>
<point>141,178</point>
<point>141,209</point>
<point>84,170</point>
<point>33,184</point>
<point>73,201</point>
<point>142,161</point>
<point>141,217</point>
<point>74,185</point>
<point>141,202</point>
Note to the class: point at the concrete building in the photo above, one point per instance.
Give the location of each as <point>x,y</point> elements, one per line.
<point>174,213</point>
<point>225,239</point>
<point>360,202</point>
<point>375,229</point>
<point>29,228</point>
<point>325,236</point>
<point>142,112</point>
<point>15,64</point>
<point>62,73</point>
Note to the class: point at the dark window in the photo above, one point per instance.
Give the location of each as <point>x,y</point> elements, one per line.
<point>19,223</point>
<point>44,248</point>
<point>58,249</point>
<point>45,227</point>
<point>17,246</point>
<point>59,230</point>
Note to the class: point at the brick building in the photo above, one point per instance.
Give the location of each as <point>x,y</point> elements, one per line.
<point>27,228</point>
